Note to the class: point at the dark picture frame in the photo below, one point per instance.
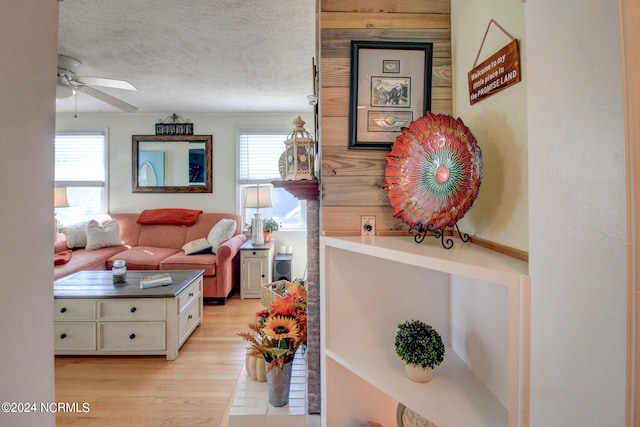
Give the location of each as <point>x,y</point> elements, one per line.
<point>390,88</point>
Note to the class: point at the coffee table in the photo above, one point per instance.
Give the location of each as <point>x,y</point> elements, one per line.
<point>93,316</point>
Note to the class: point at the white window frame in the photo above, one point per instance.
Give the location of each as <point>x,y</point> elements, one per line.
<point>104,199</point>
<point>242,183</point>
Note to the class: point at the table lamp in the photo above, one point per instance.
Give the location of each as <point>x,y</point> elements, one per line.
<point>257,197</point>
<point>59,201</point>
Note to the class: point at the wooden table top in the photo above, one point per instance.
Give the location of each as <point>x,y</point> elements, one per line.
<point>249,246</point>
<point>99,284</point>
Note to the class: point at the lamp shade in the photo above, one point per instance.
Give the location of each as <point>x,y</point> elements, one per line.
<point>60,197</point>
<point>258,197</point>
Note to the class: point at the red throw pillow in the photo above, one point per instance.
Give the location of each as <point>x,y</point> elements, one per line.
<point>62,257</point>
<point>171,216</point>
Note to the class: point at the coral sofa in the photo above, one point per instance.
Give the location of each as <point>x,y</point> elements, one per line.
<point>159,246</point>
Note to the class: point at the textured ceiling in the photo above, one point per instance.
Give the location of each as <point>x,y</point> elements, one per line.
<point>193,56</point>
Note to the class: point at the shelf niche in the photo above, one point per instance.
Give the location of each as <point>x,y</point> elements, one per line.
<point>476,298</point>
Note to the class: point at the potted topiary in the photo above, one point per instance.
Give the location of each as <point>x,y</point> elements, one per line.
<point>421,349</point>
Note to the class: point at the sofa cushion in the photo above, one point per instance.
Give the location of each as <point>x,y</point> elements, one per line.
<point>163,236</point>
<point>198,246</point>
<point>170,216</point>
<point>221,232</point>
<point>142,257</point>
<point>205,223</point>
<point>180,261</point>
<point>63,257</point>
<point>76,235</point>
<point>129,228</point>
<point>83,259</point>
<point>103,235</point>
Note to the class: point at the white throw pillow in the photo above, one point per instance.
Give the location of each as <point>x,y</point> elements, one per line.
<point>199,246</point>
<point>103,235</point>
<point>76,235</point>
<point>221,232</point>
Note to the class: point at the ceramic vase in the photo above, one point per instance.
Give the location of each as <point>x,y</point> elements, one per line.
<point>417,373</point>
<point>279,383</point>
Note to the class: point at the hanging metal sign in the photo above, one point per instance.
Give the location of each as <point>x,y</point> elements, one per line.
<point>174,125</point>
<point>498,72</point>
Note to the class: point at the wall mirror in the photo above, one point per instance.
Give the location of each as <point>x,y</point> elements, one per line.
<point>171,164</point>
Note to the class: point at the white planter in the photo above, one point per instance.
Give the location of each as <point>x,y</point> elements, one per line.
<point>417,373</point>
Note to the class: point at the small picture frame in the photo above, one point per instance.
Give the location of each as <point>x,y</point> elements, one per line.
<point>387,91</point>
<point>390,66</point>
<point>390,87</point>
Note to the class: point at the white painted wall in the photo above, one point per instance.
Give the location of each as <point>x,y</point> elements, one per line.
<point>223,128</point>
<point>500,213</point>
<point>28,30</point>
<point>563,126</point>
<point>499,122</point>
<point>479,319</point>
<point>577,223</point>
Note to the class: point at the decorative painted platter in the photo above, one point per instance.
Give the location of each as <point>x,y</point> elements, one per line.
<point>433,173</point>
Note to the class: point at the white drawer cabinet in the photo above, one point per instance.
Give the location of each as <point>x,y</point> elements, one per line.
<point>149,321</point>
<point>188,321</point>
<point>188,296</point>
<point>189,311</point>
<point>255,268</point>
<point>80,336</point>
<point>132,309</point>
<point>132,336</point>
<point>74,309</point>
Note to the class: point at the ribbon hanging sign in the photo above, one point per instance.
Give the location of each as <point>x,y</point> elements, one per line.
<point>498,72</point>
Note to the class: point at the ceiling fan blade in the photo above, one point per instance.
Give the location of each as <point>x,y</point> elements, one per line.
<point>108,99</point>
<point>100,81</point>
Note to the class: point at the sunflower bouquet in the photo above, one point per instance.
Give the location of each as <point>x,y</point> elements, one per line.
<point>279,330</point>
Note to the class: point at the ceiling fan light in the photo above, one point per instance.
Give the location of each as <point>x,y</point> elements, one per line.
<point>63,91</point>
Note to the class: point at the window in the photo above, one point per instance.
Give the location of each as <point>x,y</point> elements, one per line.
<point>81,167</point>
<point>259,158</point>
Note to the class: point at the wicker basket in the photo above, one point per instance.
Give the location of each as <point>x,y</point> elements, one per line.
<point>272,291</point>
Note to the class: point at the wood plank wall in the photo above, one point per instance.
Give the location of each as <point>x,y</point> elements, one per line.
<point>353,180</point>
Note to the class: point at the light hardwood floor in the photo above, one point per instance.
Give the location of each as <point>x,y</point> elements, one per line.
<point>140,391</point>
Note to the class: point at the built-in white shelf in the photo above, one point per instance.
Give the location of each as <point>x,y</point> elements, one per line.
<point>464,259</point>
<point>370,284</point>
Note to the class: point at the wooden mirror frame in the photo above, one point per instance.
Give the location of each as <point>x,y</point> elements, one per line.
<point>135,143</point>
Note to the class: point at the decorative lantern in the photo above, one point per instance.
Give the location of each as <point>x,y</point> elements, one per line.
<point>300,153</point>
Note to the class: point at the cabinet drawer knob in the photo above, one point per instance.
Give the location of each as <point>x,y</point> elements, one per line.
<point>254,252</point>
<point>63,336</point>
<point>133,309</point>
<point>132,336</point>
<point>190,316</point>
<point>63,310</point>
<point>263,276</point>
<point>190,294</point>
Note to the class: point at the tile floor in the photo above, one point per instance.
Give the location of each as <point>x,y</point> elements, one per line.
<point>251,402</point>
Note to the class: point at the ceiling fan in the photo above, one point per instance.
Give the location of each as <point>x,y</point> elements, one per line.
<point>69,83</point>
